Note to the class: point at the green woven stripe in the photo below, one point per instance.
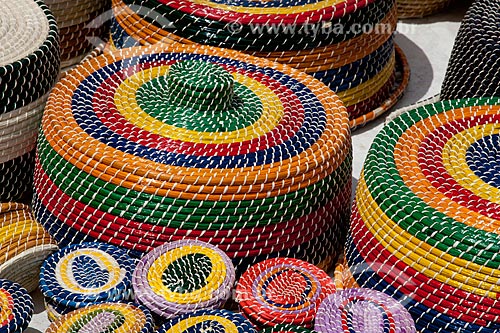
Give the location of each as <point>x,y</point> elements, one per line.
<point>188,273</point>
<point>189,214</point>
<point>411,213</point>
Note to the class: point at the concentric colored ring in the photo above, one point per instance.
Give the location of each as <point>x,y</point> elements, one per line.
<point>183,276</point>
<point>285,328</point>
<point>282,291</point>
<point>362,310</point>
<point>106,317</point>
<point>16,307</point>
<point>85,274</point>
<point>426,224</point>
<point>250,185</point>
<point>214,320</point>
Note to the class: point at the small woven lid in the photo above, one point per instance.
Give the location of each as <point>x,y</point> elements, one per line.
<point>183,276</point>
<point>221,321</point>
<point>283,291</point>
<point>87,273</point>
<point>16,307</point>
<point>105,317</point>
<point>362,310</point>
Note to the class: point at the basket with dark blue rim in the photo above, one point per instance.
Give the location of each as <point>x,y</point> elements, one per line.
<point>16,307</point>
<point>85,274</point>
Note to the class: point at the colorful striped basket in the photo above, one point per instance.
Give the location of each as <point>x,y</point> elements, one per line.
<point>79,25</point>
<point>29,65</point>
<point>105,317</point>
<point>474,66</point>
<point>139,148</point>
<point>85,274</point>
<point>347,44</point>
<point>220,321</point>
<point>182,277</point>
<point>282,291</point>
<point>16,307</point>
<point>286,328</point>
<point>425,223</point>
<point>420,8</point>
<point>24,245</point>
<point>362,310</point>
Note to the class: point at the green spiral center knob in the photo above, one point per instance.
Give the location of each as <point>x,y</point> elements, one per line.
<point>200,85</point>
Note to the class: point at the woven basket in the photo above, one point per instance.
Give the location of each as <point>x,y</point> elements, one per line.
<point>319,38</point>
<point>362,310</point>
<point>343,277</point>
<point>420,8</point>
<point>284,328</point>
<point>75,20</point>
<point>183,276</point>
<point>29,65</point>
<point>266,173</point>
<point>24,245</point>
<point>85,274</point>
<point>222,321</point>
<point>16,307</point>
<point>474,66</point>
<point>424,228</point>
<point>282,291</point>
<point>106,317</point>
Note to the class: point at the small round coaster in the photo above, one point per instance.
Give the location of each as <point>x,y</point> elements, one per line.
<point>362,310</point>
<point>220,321</point>
<point>106,317</point>
<point>183,276</point>
<point>85,274</point>
<point>16,307</point>
<point>282,291</point>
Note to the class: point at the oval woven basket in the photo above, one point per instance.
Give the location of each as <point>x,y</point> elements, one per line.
<point>199,143</point>
<point>84,274</point>
<point>16,307</point>
<point>424,228</point>
<point>182,277</point>
<point>282,291</point>
<point>106,317</point>
<point>474,66</point>
<point>362,310</point>
<point>24,245</point>
<point>346,44</point>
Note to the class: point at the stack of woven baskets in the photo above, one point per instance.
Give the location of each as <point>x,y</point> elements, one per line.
<point>24,245</point>
<point>139,148</point>
<point>420,8</point>
<point>29,66</point>
<point>347,44</point>
<point>474,66</point>
<point>75,19</point>
<point>425,224</point>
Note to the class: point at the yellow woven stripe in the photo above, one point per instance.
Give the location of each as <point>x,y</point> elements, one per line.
<point>268,10</point>
<point>229,326</point>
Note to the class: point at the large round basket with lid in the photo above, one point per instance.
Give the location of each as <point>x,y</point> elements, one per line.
<point>425,226</point>
<point>143,147</point>
<point>29,66</point>
<point>347,44</point>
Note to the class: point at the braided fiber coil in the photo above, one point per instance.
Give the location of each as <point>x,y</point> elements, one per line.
<point>424,227</point>
<point>474,67</point>
<point>266,174</point>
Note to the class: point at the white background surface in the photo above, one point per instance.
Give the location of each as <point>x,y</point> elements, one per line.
<point>427,43</point>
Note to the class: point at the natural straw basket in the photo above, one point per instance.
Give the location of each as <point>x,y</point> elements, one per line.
<point>318,38</point>
<point>474,66</point>
<point>84,274</point>
<point>183,276</point>
<point>424,228</point>
<point>16,307</point>
<point>106,317</point>
<point>210,320</point>
<point>24,244</point>
<point>362,310</point>
<point>282,291</point>
<point>128,156</point>
<point>420,8</point>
